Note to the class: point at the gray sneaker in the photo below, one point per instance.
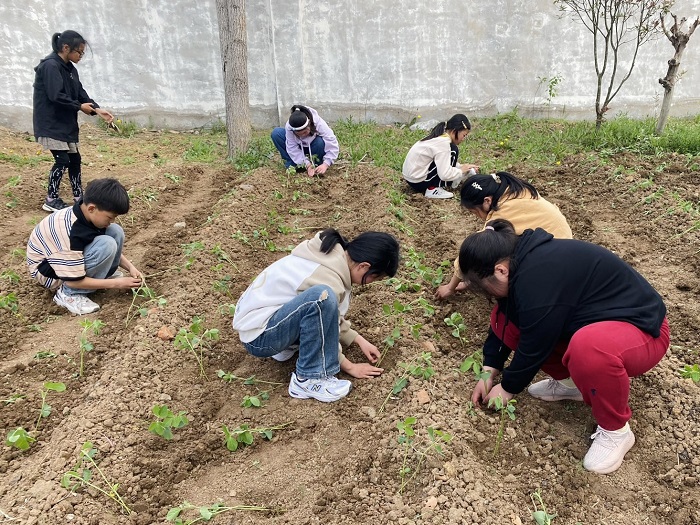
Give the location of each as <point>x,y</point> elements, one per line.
<point>78,304</point>
<point>552,390</point>
<point>608,449</point>
<point>327,390</point>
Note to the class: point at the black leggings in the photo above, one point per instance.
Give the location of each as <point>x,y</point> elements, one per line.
<point>71,162</point>
<point>432,180</point>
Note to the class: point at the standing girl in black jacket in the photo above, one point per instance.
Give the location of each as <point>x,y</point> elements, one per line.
<point>58,96</point>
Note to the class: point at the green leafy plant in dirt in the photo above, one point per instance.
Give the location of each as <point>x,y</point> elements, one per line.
<point>222,256</point>
<point>82,476</point>
<point>166,421</point>
<point>420,367</point>
<point>9,302</point>
<point>397,311</point>
<point>255,401</point>
<point>691,372</point>
<point>475,364</point>
<point>227,309</point>
<point>11,276</point>
<point>420,272</point>
<point>195,339</point>
<point>177,516</point>
<point>13,398</point>
<point>19,438</point>
<point>417,448</point>
<point>459,330</point>
<point>243,435</point>
<point>540,514</point>
<point>45,409</point>
<point>190,250</point>
<point>228,377</point>
<point>143,300</point>
<point>88,328</point>
<point>201,150</point>
<point>505,410</point>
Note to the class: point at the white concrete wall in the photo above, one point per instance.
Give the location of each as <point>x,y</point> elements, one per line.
<point>158,61</point>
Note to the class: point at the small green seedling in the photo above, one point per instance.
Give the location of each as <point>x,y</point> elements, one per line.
<point>540,514</point>
<point>19,438</point>
<point>45,409</point>
<point>166,421</point>
<point>255,401</point>
<point>44,354</point>
<point>416,450</point>
<point>691,372</point>
<point>147,299</point>
<point>9,302</point>
<point>195,339</point>
<point>13,399</point>
<point>420,367</point>
<point>89,327</point>
<point>244,436</point>
<point>459,329</point>
<point>206,512</point>
<point>189,251</point>
<point>227,309</point>
<point>11,276</point>
<point>221,254</point>
<point>506,410</point>
<point>252,380</point>
<point>81,476</point>
<point>475,363</point>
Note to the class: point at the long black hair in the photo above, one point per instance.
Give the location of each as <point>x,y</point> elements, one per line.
<point>481,251</point>
<point>477,187</point>
<point>299,116</point>
<point>456,123</point>
<point>379,249</point>
<point>72,38</point>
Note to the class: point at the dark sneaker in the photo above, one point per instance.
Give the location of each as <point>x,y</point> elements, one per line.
<point>52,205</point>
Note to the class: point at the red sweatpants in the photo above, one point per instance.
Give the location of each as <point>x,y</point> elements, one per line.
<point>600,358</point>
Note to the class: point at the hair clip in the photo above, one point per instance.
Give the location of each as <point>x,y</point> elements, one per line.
<point>496,178</point>
<point>489,227</point>
<point>476,185</point>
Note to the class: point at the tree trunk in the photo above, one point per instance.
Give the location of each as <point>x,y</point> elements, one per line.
<point>234,58</point>
<point>679,40</point>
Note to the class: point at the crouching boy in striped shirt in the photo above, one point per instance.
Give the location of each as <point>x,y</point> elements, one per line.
<point>78,250</point>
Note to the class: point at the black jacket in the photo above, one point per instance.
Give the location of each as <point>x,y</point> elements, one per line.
<point>58,95</point>
<point>556,287</point>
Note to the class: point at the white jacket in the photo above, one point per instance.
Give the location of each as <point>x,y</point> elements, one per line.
<point>284,279</point>
<point>422,153</point>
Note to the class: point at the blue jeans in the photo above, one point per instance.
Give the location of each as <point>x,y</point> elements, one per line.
<point>311,319</point>
<point>318,148</point>
<point>102,257</point>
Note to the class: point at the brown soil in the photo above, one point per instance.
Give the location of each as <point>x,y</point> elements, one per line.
<point>337,463</point>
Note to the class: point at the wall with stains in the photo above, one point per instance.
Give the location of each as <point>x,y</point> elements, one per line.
<point>158,62</point>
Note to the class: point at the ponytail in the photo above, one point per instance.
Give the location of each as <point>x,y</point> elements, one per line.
<point>299,115</point>
<point>456,123</point>
<point>72,38</point>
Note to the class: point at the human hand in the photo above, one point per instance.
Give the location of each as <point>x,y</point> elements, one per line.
<point>321,169</point>
<point>371,352</point>
<point>496,392</point>
<point>126,282</point>
<point>361,370</point>
<point>106,115</point>
<point>135,273</point>
<point>310,170</point>
<point>444,291</point>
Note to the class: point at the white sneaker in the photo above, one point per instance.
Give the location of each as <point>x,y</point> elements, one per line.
<point>608,449</point>
<point>116,275</point>
<point>552,390</point>
<point>328,389</point>
<point>286,354</point>
<point>78,304</point>
<point>438,193</point>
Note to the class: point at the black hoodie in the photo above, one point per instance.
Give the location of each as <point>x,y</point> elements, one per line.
<point>58,95</point>
<point>556,287</point>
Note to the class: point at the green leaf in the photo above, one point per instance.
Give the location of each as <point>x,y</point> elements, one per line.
<point>206,513</point>
<point>173,513</point>
<point>399,385</point>
<point>56,387</point>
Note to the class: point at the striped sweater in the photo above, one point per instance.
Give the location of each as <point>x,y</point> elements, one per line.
<point>55,247</point>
